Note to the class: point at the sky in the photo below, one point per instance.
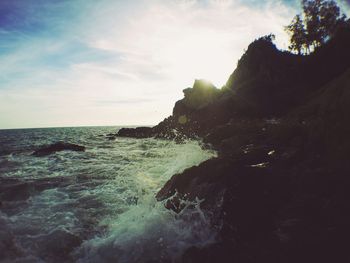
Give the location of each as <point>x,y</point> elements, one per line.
<point>119,62</point>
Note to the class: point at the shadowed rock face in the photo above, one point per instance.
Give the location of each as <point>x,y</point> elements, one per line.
<point>57,147</point>
<point>267,83</point>
<point>279,188</point>
<point>201,95</point>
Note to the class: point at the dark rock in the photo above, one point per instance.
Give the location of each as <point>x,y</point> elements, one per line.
<point>266,83</point>
<point>195,182</point>
<point>199,96</point>
<point>279,188</point>
<point>139,132</point>
<point>275,81</point>
<point>58,146</point>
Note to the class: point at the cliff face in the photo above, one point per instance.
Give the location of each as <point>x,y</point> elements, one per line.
<point>267,83</point>
<point>325,117</point>
<point>276,81</point>
<point>282,185</point>
<point>200,96</point>
<point>279,188</point>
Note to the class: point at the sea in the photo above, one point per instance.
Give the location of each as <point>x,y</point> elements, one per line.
<point>98,205</point>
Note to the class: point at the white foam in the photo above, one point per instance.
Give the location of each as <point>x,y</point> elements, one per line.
<point>111,202</point>
<point>147,230</point>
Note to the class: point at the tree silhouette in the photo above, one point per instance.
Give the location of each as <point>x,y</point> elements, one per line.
<point>319,22</point>
<point>298,35</point>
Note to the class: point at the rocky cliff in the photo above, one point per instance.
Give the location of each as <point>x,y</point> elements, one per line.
<point>281,127</point>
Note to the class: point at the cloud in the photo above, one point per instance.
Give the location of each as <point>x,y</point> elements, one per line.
<point>126,101</point>
<point>121,62</point>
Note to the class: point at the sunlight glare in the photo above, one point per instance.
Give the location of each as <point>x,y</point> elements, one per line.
<point>199,56</point>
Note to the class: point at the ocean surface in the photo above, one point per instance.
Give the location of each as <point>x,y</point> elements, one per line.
<point>98,205</point>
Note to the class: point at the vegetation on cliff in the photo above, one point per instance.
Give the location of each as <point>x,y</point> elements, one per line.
<point>321,19</point>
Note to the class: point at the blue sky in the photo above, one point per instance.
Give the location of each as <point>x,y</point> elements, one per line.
<point>118,62</point>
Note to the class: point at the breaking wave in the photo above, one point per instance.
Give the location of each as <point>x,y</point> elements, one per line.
<point>98,205</point>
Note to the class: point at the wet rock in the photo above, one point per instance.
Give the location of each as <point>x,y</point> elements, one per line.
<point>56,147</point>
<point>244,201</point>
<point>194,182</point>
<point>139,132</point>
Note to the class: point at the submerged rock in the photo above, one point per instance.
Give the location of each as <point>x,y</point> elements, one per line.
<point>58,146</point>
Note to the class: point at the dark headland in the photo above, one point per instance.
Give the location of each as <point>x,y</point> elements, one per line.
<point>280,186</point>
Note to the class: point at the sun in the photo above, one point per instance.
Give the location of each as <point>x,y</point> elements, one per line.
<point>199,56</point>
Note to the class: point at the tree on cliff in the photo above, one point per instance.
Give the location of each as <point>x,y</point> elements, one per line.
<point>298,34</point>
<point>319,22</point>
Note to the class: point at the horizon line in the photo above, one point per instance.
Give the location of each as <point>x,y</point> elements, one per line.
<point>79,126</point>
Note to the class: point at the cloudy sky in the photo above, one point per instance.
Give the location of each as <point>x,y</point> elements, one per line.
<point>119,62</point>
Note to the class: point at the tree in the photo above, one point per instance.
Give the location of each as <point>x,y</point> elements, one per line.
<point>330,19</point>
<point>269,38</point>
<point>319,22</point>
<point>297,34</point>
<point>321,19</point>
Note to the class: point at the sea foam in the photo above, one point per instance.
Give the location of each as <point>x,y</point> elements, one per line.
<point>98,205</point>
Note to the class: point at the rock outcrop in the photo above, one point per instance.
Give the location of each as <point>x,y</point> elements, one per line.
<point>57,147</point>
<point>139,132</point>
<point>279,187</point>
<point>267,83</point>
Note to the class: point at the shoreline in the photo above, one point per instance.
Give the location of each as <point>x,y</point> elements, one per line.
<point>278,187</point>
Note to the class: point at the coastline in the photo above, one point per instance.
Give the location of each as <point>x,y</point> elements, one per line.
<point>278,189</point>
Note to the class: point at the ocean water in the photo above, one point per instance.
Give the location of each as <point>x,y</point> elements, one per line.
<point>98,205</point>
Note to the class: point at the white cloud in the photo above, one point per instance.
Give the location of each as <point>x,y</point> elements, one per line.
<point>155,49</point>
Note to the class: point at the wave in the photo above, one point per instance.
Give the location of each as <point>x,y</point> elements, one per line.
<point>100,206</point>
